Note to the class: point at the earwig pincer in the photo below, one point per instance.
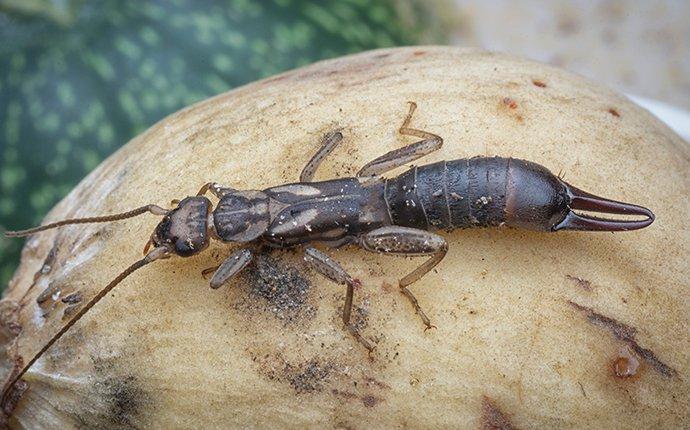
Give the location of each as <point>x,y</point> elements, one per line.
<point>394,215</point>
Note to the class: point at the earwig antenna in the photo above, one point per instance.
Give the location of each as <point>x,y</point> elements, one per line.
<point>154,209</point>
<point>151,256</point>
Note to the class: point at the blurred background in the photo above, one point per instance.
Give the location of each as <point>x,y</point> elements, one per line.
<point>79,78</point>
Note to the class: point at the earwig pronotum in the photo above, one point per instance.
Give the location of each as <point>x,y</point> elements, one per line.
<point>380,215</point>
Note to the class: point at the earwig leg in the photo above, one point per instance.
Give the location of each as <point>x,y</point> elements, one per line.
<point>401,156</point>
<point>215,189</point>
<point>329,268</point>
<point>328,144</point>
<point>237,261</point>
<point>411,242</point>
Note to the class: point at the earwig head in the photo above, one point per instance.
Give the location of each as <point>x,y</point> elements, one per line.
<point>538,200</point>
<point>184,230</point>
<point>241,216</point>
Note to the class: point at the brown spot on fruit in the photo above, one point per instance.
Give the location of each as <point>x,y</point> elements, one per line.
<point>626,334</point>
<point>626,365</point>
<point>512,104</point>
<point>538,83</point>
<point>418,53</point>
<point>614,112</point>
<point>493,418</point>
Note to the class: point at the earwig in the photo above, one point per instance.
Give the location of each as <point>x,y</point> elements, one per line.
<point>382,215</point>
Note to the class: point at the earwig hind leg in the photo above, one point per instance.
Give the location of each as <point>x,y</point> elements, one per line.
<point>411,242</point>
<point>430,142</point>
<point>215,189</point>
<point>237,261</point>
<point>328,144</point>
<point>329,268</point>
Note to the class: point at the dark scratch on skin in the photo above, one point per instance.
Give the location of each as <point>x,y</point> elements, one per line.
<point>69,311</point>
<point>582,389</point>
<point>581,282</point>
<point>493,418</point>
<point>614,112</point>
<point>626,334</point>
<point>344,394</point>
<point>46,268</point>
<point>370,401</point>
<point>538,83</point>
<point>50,290</point>
<point>12,394</point>
<point>372,381</point>
<point>10,402</point>
<point>73,298</point>
<point>9,319</point>
<point>48,263</point>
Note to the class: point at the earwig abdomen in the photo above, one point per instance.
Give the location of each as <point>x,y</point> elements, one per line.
<point>447,195</point>
<point>536,198</point>
<point>477,192</point>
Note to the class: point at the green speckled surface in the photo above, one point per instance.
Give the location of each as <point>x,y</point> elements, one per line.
<point>77,81</point>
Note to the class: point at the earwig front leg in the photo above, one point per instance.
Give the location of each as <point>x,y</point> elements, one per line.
<point>237,261</point>
<point>401,156</point>
<point>215,189</point>
<point>411,242</point>
<point>329,268</point>
<point>328,144</point>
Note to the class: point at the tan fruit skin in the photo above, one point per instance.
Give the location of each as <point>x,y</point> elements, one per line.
<point>164,350</point>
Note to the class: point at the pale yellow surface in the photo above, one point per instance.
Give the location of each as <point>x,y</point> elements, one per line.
<point>164,350</point>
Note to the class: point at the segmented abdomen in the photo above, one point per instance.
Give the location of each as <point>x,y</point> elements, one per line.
<point>446,195</point>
